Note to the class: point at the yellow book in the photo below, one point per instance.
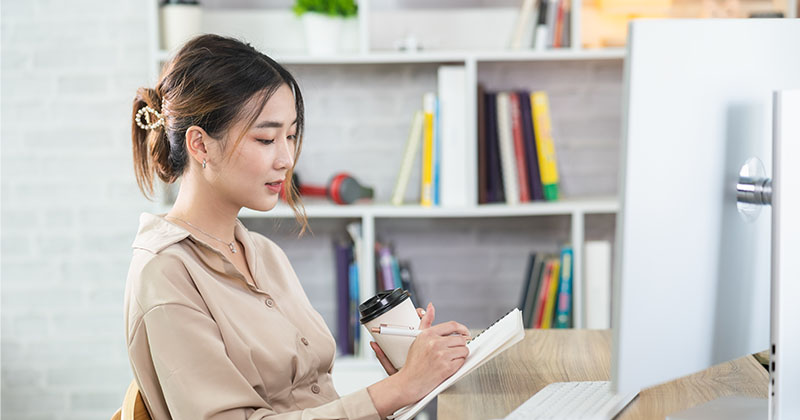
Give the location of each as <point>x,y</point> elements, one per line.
<point>546,152</point>
<point>550,306</point>
<point>426,192</point>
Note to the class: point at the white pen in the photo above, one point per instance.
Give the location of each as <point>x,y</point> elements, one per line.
<point>402,331</point>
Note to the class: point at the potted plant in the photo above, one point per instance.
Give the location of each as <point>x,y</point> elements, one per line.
<point>180,21</point>
<point>323,20</point>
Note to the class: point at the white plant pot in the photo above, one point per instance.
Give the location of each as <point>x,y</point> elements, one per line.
<point>179,23</point>
<point>323,33</point>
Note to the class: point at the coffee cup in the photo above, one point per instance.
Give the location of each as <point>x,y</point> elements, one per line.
<point>391,308</point>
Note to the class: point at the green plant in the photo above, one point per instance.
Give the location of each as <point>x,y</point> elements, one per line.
<point>343,8</point>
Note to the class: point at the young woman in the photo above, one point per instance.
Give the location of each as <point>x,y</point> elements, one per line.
<point>217,324</point>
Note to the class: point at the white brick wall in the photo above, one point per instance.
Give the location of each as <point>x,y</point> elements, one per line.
<point>70,204</point>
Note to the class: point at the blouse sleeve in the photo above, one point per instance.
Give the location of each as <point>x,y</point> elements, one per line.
<point>199,381</point>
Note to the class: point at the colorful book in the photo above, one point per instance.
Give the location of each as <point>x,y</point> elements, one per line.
<point>549,309</point>
<point>437,152</point>
<point>545,149</point>
<point>519,148</point>
<point>534,280</point>
<point>508,161</point>
<point>409,155</point>
<point>428,109</point>
<point>531,158</point>
<point>355,325</point>
<point>344,256</point>
<point>564,301</point>
<point>544,288</point>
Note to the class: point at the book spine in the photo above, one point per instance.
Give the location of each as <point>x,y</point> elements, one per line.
<point>548,169</point>
<point>482,136</point>
<point>410,153</point>
<point>354,316</point>
<point>547,321</point>
<point>437,152</point>
<point>453,170</point>
<point>343,250</point>
<point>429,103</point>
<point>544,287</point>
<point>564,302</point>
<point>597,275</point>
<point>385,261</point>
<point>519,148</point>
<point>523,20</point>
<point>532,160</point>
<point>507,159</point>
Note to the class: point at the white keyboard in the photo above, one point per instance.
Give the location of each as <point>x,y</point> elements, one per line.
<point>573,401</point>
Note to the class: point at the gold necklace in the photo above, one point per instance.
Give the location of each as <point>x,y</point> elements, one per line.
<point>231,244</point>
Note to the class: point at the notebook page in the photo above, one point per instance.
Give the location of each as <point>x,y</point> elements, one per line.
<point>501,335</point>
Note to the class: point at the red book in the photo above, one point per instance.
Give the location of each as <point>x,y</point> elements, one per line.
<point>559,29</point>
<point>544,287</point>
<point>519,148</point>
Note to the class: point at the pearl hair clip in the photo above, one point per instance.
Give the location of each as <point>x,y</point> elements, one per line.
<point>146,111</point>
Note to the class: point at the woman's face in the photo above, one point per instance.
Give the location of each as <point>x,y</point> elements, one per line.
<point>258,167</point>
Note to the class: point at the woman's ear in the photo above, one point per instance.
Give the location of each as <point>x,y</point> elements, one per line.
<point>195,143</point>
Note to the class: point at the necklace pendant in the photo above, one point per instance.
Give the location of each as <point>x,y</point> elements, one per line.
<point>233,248</point>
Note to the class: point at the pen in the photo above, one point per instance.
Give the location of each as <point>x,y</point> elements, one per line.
<point>403,331</point>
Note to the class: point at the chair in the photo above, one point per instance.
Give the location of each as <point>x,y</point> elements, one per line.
<point>133,407</point>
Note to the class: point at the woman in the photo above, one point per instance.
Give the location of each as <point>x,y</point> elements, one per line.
<point>217,323</point>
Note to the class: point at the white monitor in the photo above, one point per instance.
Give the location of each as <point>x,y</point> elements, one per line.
<point>692,271</point>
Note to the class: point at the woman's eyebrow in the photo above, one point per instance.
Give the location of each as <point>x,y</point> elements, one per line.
<point>272,124</point>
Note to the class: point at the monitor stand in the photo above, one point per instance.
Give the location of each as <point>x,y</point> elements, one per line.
<point>782,192</point>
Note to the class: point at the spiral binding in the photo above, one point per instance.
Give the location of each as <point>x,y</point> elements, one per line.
<point>490,326</point>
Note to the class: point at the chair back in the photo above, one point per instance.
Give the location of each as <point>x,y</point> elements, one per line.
<point>133,407</point>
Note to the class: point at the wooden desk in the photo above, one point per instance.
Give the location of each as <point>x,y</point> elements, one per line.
<point>547,356</point>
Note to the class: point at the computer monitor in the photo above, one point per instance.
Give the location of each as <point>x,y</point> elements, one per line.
<point>692,266</point>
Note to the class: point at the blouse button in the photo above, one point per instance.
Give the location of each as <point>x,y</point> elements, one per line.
<point>315,388</point>
<point>270,303</point>
<point>304,340</point>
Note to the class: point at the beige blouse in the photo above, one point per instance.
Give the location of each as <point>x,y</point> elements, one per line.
<point>206,344</point>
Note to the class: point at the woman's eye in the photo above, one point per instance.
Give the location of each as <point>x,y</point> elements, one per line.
<point>292,137</point>
<point>266,141</point>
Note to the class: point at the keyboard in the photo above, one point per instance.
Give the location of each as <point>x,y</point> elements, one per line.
<point>573,401</point>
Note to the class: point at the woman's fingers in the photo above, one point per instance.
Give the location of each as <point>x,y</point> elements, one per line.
<point>387,365</point>
<point>427,319</point>
<point>455,341</point>
<point>420,312</point>
<point>451,327</point>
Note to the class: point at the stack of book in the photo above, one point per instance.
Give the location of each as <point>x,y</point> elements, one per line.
<point>542,24</point>
<point>438,134</point>
<point>547,290</point>
<point>516,155</point>
<point>391,273</point>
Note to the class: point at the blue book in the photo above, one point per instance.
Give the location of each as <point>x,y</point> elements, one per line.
<point>354,316</point>
<point>437,153</point>
<point>564,303</point>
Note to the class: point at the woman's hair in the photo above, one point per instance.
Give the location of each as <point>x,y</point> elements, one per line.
<point>207,84</point>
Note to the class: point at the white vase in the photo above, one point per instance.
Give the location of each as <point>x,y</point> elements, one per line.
<point>179,23</point>
<point>323,33</point>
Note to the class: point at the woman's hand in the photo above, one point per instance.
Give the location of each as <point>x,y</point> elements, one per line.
<point>387,365</point>
<point>436,354</point>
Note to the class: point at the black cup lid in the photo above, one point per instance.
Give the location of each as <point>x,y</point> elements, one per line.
<point>381,303</point>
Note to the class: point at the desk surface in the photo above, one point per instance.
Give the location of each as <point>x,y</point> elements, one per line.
<point>546,356</point>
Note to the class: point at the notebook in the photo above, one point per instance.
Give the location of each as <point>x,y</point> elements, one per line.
<point>497,338</point>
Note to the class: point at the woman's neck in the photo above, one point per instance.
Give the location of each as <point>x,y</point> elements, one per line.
<point>199,205</point>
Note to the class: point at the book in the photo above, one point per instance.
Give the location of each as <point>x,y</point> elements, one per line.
<point>355,325</point>
<point>519,148</point>
<point>385,262</point>
<point>550,21</point>
<point>426,190</point>
<point>526,285</point>
<point>494,340</point>
<point>482,187</point>
<point>508,161</point>
<point>563,317</point>
<point>494,173</point>
<point>453,162</point>
<point>550,305</point>
<point>542,128</point>
<point>534,280</point>
<point>437,152</point>
<point>558,30</point>
<point>531,158</point>
<point>540,32</point>
<point>344,255</point>
<point>597,279</point>
<point>407,281</point>
<point>409,155</point>
<point>523,24</point>
<point>544,288</point>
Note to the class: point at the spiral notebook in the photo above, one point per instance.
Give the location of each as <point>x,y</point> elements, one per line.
<point>497,338</point>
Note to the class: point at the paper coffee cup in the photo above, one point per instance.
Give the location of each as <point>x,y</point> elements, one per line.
<point>393,308</point>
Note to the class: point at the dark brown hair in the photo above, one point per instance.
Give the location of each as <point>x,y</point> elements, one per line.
<point>207,84</point>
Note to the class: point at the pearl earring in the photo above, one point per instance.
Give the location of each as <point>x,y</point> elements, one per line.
<point>204,163</point>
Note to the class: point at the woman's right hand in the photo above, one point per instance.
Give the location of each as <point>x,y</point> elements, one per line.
<point>435,355</point>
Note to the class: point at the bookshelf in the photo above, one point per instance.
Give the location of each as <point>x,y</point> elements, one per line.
<point>484,65</point>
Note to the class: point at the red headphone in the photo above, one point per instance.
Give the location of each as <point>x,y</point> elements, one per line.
<point>342,189</point>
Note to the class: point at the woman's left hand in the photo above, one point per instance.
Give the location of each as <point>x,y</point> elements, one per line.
<point>387,365</point>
